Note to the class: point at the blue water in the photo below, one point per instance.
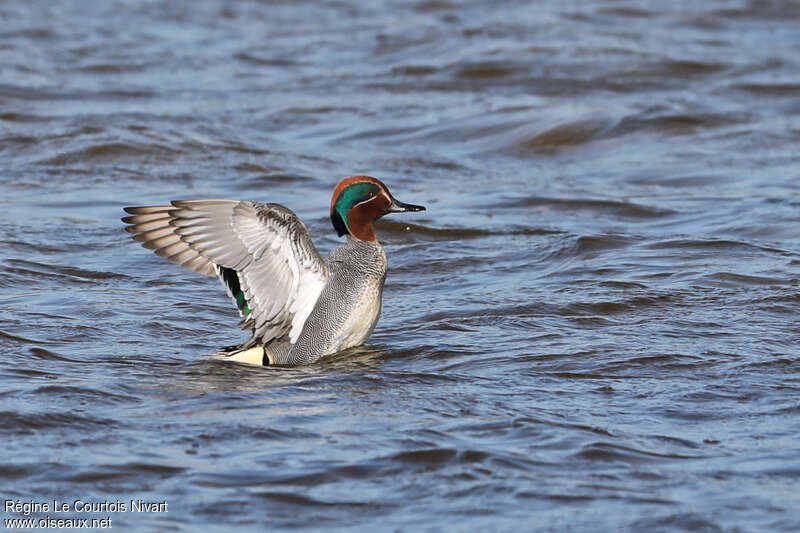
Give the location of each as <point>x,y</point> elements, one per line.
<point>593,327</point>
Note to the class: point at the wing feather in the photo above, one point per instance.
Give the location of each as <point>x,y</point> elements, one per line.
<point>279,271</point>
<point>148,224</point>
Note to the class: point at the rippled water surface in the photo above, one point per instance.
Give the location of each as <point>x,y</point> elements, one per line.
<point>593,327</point>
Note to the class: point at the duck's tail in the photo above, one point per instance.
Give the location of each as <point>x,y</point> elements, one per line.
<point>255,355</point>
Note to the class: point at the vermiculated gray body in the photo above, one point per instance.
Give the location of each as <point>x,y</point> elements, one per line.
<point>348,307</point>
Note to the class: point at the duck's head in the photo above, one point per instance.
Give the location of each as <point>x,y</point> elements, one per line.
<point>358,201</point>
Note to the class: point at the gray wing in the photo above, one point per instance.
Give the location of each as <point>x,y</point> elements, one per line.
<point>262,253</point>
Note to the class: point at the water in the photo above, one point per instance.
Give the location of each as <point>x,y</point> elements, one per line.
<point>594,327</point>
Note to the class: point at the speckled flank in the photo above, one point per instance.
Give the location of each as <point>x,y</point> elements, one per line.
<point>349,306</point>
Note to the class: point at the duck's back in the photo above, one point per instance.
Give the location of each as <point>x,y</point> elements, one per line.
<point>347,309</point>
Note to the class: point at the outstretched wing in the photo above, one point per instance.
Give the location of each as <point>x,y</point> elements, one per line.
<point>261,252</point>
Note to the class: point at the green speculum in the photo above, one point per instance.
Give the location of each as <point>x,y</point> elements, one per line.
<point>231,279</point>
<point>241,303</point>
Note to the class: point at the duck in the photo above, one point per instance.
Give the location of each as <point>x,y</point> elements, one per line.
<point>298,306</point>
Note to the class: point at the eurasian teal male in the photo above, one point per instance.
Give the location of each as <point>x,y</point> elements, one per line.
<point>299,307</point>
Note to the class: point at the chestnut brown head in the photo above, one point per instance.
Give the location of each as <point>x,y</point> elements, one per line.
<point>358,201</point>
